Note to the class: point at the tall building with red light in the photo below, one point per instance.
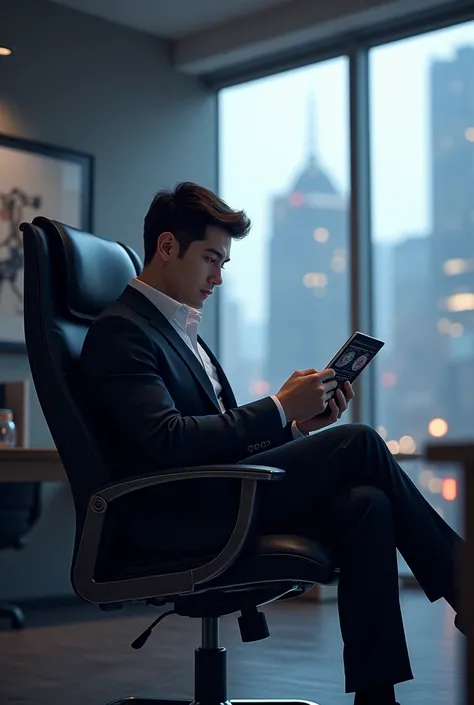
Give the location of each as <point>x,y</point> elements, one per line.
<point>308,274</point>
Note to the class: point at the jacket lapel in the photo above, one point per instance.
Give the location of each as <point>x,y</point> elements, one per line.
<point>227,392</point>
<point>142,305</point>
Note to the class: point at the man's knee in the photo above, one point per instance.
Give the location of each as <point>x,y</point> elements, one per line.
<point>361,432</point>
<point>364,430</point>
<point>369,496</point>
<point>368,505</point>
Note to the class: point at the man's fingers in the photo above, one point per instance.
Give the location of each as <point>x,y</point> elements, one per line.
<point>329,392</point>
<point>334,411</point>
<point>341,401</point>
<point>326,375</point>
<point>348,391</point>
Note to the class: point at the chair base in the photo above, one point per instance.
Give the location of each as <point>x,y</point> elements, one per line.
<point>161,701</point>
<point>14,614</point>
<point>210,677</point>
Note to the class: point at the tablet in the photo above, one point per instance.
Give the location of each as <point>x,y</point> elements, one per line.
<point>354,356</point>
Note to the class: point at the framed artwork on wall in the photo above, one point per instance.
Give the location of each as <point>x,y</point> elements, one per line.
<point>35,179</point>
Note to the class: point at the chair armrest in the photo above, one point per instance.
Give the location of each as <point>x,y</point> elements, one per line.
<point>162,585</point>
<point>239,472</point>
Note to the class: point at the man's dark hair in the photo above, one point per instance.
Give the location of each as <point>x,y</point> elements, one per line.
<point>186,211</point>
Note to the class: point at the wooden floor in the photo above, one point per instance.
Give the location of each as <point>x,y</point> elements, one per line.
<point>76,655</point>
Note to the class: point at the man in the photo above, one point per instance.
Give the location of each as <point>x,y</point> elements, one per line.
<point>162,400</point>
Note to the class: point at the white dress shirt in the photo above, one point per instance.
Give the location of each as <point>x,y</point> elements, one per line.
<point>185,320</point>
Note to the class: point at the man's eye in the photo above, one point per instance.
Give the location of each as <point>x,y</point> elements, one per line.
<point>210,259</point>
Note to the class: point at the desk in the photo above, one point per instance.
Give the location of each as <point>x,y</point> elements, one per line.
<point>31,465</point>
<point>463,454</point>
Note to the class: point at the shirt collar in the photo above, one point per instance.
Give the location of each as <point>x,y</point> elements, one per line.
<point>172,310</point>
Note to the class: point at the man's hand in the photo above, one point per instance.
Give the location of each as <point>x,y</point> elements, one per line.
<point>306,393</point>
<point>335,409</point>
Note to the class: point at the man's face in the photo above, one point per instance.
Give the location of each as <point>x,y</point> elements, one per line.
<point>192,278</point>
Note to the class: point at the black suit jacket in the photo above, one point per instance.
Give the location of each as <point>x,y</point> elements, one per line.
<point>154,407</point>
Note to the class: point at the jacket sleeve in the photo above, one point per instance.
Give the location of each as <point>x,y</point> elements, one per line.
<point>119,368</point>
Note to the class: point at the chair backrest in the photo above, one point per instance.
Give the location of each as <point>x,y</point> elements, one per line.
<point>19,510</point>
<point>70,277</point>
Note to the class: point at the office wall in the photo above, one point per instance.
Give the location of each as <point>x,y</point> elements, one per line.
<point>82,83</point>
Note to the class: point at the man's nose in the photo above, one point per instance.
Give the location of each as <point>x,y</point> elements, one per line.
<point>216,279</point>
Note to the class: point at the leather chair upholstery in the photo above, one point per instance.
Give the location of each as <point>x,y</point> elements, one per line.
<point>70,276</point>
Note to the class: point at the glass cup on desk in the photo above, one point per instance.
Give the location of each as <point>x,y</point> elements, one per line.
<point>7,428</point>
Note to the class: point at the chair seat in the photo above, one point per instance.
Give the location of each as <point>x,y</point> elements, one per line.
<point>270,559</point>
<point>280,558</point>
<point>274,567</point>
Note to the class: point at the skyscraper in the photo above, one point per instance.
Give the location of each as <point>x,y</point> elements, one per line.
<point>405,391</point>
<point>308,278</point>
<point>452,147</point>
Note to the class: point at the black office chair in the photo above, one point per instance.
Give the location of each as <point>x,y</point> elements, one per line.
<point>70,277</point>
<point>19,511</point>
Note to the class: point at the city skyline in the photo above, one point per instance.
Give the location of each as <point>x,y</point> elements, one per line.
<point>273,132</point>
<point>419,304</point>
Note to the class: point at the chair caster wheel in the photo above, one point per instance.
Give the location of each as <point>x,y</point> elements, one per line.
<point>18,620</point>
<point>14,614</point>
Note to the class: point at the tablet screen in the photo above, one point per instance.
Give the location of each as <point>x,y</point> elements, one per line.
<point>354,356</point>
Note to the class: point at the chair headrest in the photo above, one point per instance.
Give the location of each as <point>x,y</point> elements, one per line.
<point>96,271</point>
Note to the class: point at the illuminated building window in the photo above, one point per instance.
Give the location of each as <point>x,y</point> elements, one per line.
<point>435,485</point>
<point>394,447</point>
<point>315,280</point>
<point>469,134</point>
<point>444,326</point>
<point>437,427</point>
<point>338,262</point>
<point>321,235</point>
<point>456,330</point>
<point>447,327</point>
<point>407,445</point>
<point>460,302</point>
<point>449,489</point>
<point>457,266</point>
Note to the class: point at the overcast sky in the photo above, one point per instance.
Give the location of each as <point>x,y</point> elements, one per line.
<point>264,142</point>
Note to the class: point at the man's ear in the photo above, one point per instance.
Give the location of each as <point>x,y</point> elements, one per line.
<point>164,245</point>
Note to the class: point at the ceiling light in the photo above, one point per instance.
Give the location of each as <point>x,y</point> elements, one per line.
<point>5,51</point>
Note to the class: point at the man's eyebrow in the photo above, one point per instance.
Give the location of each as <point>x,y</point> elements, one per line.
<point>218,253</point>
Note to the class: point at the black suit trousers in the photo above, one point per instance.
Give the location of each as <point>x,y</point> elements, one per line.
<point>345,488</point>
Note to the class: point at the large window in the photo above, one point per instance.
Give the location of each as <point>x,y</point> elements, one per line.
<point>422,161</point>
<point>284,158</point>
